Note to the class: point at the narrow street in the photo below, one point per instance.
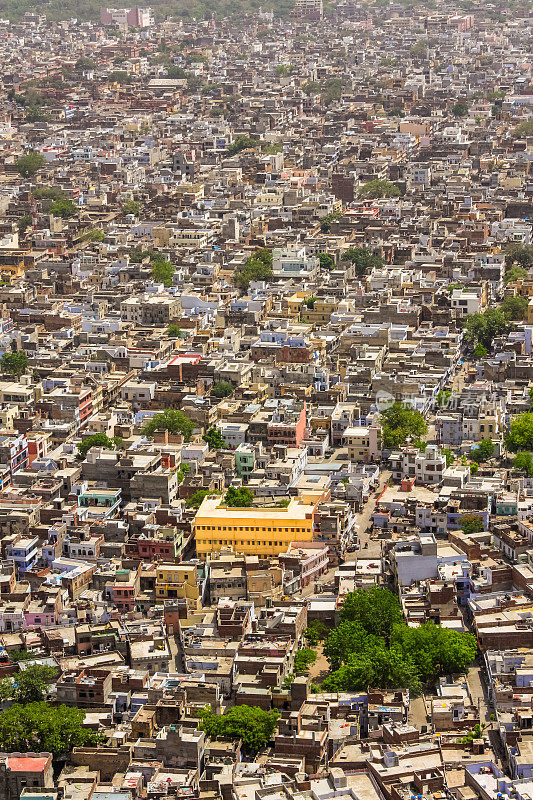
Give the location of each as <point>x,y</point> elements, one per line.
<point>363,521</point>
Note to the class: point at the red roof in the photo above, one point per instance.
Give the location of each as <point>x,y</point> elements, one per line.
<point>27,764</point>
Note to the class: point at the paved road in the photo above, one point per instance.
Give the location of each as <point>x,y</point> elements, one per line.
<point>363,522</point>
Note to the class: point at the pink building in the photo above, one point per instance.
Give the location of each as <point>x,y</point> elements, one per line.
<point>131,17</point>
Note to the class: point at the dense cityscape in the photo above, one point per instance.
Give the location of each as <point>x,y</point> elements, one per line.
<point>266,400</point>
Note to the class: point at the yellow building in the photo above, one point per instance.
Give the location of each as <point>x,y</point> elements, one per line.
<point>177,581</point>
<point>257,531</point>
<point>322,310</point>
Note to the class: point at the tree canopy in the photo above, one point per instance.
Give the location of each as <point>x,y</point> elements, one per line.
<point>304,658</point>
<point>63,208</point>
<point>171,420</point>
<point>471,523</point>
<point>520,436</point>
<point>373,647</point>
<point>198,497</point>
<point>239,498</point>
<point>257,267</point>
<point>524,462</point>
<point>131,207</point>
<point>376,189</point>
<point>14,363</point>
<point>376,610</point>
<point>163,272</point>
<point>483,327</point>
<point>250,723</point>
<point>39,727</point>
<point>30,685</point>
<point>347,638</point>
<point>515,273</point>
<point>524,128</point>
<point>520,255</point>
<point>363,259</point>
<point>326,261</point>
<point>242,143</point>
<point>222,389</point>
<point>483,451</point>
<point>460,110</point>
<point>400,422</point>
<point>214,439</point>
<point>97,440</point>
<point>514,307</point>
<point>29,164</point>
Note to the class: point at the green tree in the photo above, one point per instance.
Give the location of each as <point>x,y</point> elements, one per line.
<point>483,328</point>
<point>480,352</point>
<point>443,398</point>
<point>264,255</point>
<point>363,259</point>
<point>242,143</point>
<point>198,497</point>
<point>97,440</point>
<point>138,254</point>
<point>515,273</point>
<point>163,272</point>
<point>239,498</point>
<point>250,723</point>
<point>525,128</point>
<point>435,650</point>
<point>520,436</point>
<point>347,638</point>
<point>39,727</point>
<point>475,733</point>
<point>21,655</point>
<point>63,208</point>
<point>131,207</point>
<point>400,422</point>
<point>524,462</point>
<point>331,90</point>
<point>471,523</point>
<point>175,72</point>
<point>182,472</point>
<point>334,216</point>
<point>29,164</point>
<point>118,76</point>
<point>284,70</point>
<point>376,610</point>
<point>254,269</point>
<point>214,439</point>
<point>14,363</point>
<point>419,49</point>
<point>171,420</point>
<point>326,261</point>
<point>93,235</point>
<point>315,632</point>
<point>30,685</point>
<point>376,189</point>
<point>520,255</point>
<point>303,659</point>
<point>48,193</point>
<point>309,302</point>
<point>514,307</point>
<point>311,87</point>
<point>483,451</point>
<point>173,331</point>
<point>460,110</point>
<point>448,455</point>
<point>84,63</point>
<point>222,389</point>
<point>375,668</point>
